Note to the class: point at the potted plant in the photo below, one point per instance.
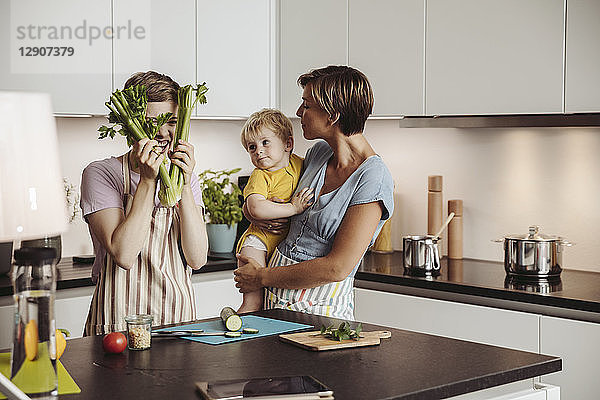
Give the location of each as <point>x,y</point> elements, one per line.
<point>222,202</point>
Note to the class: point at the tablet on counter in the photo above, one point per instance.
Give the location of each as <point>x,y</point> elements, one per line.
<point>286,387</point>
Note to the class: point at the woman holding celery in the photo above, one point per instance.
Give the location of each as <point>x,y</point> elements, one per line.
<point>144,251</point>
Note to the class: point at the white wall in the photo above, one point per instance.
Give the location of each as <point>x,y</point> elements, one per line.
<point>508,178</point>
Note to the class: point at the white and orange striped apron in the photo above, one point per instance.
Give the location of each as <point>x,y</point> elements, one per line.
<point>335,299</point>
<point>158,283</point>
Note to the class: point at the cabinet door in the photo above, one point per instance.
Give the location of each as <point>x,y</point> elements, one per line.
<point>576,342</point>
<point>161,38</point>
<point>71,309</point>
<point>36,40</point>
<point>494,57</point>
<point>455,320</point>
<point>313,34</point>
<point>583,56</point>
<point>213,291</point>
<point>386,42</point>
<point>234,57</point>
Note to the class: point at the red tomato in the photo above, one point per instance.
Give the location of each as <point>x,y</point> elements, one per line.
<point>114,342</point>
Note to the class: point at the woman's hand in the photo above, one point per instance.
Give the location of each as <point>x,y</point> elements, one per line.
<point>248,276</point>
<point>183,157</point>
<point>147,158</point>
<point>275,226</point>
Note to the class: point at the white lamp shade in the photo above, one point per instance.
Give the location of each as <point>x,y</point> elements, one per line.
<point>32,196</point>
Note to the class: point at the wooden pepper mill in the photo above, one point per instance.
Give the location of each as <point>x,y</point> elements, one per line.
<point>435,212</point>
<point>455,230</point>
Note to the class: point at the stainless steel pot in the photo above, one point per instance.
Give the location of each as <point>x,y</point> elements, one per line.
<point>533,255</point>
<point>421,255</point>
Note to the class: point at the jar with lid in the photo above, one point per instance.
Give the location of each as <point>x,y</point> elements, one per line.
<point>139,331</point>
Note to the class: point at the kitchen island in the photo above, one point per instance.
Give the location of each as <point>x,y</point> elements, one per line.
<point>408,365</point>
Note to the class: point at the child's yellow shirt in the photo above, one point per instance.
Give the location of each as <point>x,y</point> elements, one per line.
<point>281,184</point>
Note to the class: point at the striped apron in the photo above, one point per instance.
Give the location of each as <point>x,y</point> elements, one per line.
<point>335,299</point>
<point>158,283</point>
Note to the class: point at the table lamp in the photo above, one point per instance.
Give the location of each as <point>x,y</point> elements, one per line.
<point>32,198</point>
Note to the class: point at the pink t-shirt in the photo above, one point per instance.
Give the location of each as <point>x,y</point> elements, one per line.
<point>102,187</point>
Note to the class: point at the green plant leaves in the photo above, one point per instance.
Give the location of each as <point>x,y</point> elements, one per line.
<point>343,332</point>
<point>221,196</point>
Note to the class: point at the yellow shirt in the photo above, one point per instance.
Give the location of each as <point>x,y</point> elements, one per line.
<point>280,184</point>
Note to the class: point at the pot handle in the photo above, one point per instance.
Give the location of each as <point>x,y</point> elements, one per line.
<point>566,243</point>
<point>498,240</point>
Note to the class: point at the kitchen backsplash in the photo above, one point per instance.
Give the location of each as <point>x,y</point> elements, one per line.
<point>508,178</point>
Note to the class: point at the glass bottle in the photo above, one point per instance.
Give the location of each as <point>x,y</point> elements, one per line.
<point>33,361</point>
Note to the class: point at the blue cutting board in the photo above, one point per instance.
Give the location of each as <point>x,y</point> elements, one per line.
<point>265,326</point>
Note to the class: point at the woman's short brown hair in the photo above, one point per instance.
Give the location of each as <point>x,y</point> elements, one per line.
<point>268,118</point>
<point>159,87</point>
<point>342,92</point>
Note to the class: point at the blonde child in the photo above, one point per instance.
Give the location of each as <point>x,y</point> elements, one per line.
<point>268,138</point>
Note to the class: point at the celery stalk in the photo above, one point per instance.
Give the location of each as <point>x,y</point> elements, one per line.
<point>188,97</point>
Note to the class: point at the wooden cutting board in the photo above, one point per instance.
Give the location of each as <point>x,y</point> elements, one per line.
<point>314,341</point>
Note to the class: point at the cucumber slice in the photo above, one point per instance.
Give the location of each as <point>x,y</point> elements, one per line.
<point>250,330</point>
<point>233,334</point>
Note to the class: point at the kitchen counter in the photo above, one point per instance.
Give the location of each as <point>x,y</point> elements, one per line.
<point>72,275</point>
<point>576,294</point>
<point>408,365</point>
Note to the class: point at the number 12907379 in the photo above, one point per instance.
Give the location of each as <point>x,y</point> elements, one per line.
<point>47,51</point>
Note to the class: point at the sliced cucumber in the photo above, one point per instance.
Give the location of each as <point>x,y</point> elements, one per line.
<point>231,320</point>
<point>250,330</point>
<point>233,334</point>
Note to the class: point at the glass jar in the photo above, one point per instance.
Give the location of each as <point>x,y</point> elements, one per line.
<point>33,360</point>
<point>139,331</point>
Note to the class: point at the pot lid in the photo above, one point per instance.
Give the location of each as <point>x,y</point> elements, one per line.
<point>534,235</point>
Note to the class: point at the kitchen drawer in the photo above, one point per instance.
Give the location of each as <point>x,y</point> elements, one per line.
<point>487,325</point>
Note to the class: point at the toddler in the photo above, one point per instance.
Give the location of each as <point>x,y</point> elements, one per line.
<point>268,137</point>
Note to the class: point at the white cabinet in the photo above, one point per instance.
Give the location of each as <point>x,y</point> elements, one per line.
<point>486,325</point>
<point>71,309</point>
<point>214,291</point>
<point>70,312</point>
<point>312,34</point>
<point>576,342</point>
<point>386,42</point>
<point>583,56</point>
<point>234,56</point>
<point>77,83</point>
<point>162,38</point>
<point>494,57</point>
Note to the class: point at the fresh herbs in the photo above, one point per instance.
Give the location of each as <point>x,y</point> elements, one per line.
<point>343,332</point>
<point>128,118</point>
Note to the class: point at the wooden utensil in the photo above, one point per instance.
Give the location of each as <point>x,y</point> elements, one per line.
<point>314,341</point>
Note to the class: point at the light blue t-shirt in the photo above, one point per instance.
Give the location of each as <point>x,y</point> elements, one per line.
<point>312,233</point>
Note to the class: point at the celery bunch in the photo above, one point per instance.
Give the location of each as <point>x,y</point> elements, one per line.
<point>188,96</point>
<point>128,116</point>
<point>128,112</point>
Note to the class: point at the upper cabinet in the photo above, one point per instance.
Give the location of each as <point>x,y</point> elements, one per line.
<point>583,56</point>
<point>386,42</point>
<point>162,39</point>
<point>312,34</point>
<point>234,56</point>
<point>61,48</point>
<point>494,57</point>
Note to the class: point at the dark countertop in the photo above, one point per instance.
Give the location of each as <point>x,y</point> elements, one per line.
<point>72,275</point>
<point>574,290</point>
<point>409,365</point>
